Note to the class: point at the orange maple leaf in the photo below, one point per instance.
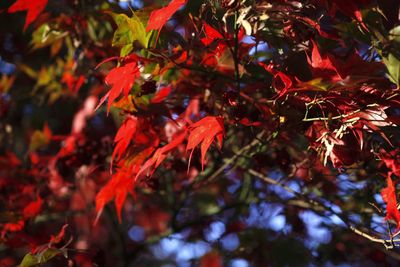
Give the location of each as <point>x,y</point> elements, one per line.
<point>161,153</point>
<point>118,187</point>
<point>124,136</point>
<point>204,131</point>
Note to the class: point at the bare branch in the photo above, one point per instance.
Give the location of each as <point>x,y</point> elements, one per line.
<point>388,243</point>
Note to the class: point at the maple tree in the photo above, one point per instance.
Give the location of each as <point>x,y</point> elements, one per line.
<point>199,133</point>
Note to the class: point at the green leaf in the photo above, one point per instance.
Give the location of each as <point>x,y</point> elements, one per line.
<point>123,34</point>
<point>129,30</point>
<point>246,187</point>
<point>393,65</point>
<point>207,204</point>
<point>48,254</point>
<point>318,84</point>
<point>33,260</point>
<point>394,34</point>
<point>29,260</point>
<point>125,50</point>
<point>38,140</point>
<point>45,36</point>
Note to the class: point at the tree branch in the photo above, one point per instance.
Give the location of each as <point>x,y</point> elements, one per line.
<point>388,243</point>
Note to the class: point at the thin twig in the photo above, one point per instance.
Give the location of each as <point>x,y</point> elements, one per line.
<point>388,243</point>
<point>229,161</point>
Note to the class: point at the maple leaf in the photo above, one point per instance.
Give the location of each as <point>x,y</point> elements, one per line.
<point>122,80</point>
<point>389,196</point>
<point>192,110</point>
<point>124,136</point>
<point>33,208</point>
<point>117,188</point>
<point>331,34</point>
<point>59,237</point>
<point>12,227</point>
<point>40,138</point>
<point>281,82</point>
<point>204,131</point>
<point>211,259</point>
<point>392,161</point>
<point>161,153</point>
<point>211,36</point>
<point>321,65</point>
<point>159,17</point>
<point>9,160</point>
<point>350,9</point>
<point>123,181</point>
<point>161,95</point>
<point>331,67</point>
<point>153,220</point>
<point>73,83</point>
<point>33,8</point>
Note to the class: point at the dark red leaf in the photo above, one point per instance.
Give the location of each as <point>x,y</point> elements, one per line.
<point>329,66</point>
<point>212,35</point>
<point>389,196</point>
<point>281,82</point>
<point>350,9</point>
<point>211,259</point>
<point>392,160</point>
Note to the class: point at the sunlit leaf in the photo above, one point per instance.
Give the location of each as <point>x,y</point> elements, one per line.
<point>204,132</point>
<point>129,30</point>
<point>33,8</point>
<point>159,17</point>
<point>393,66</point>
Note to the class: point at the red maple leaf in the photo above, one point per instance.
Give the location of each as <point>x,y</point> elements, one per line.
<point>159,17</point>
<point>33,208</point>
<point>332,67</point>
<point>12,227</point>
<point>389,196</point>
<point>161,153</point>
<point>281,82</point>
<point>124,136</point>
<point>154,220</point>
<point>204,131</point>
<point>211,259</point>
<point>322,65</point>
<point>391,160</point>
<point>122,80</point>
<point>212,35</point>
<point>60,236</point>
<point>33,8</point>
<point>161,95</point>
<point>117,188</point>
<point>350,8</point>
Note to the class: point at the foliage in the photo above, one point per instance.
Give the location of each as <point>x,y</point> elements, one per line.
<point>199,133</point>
